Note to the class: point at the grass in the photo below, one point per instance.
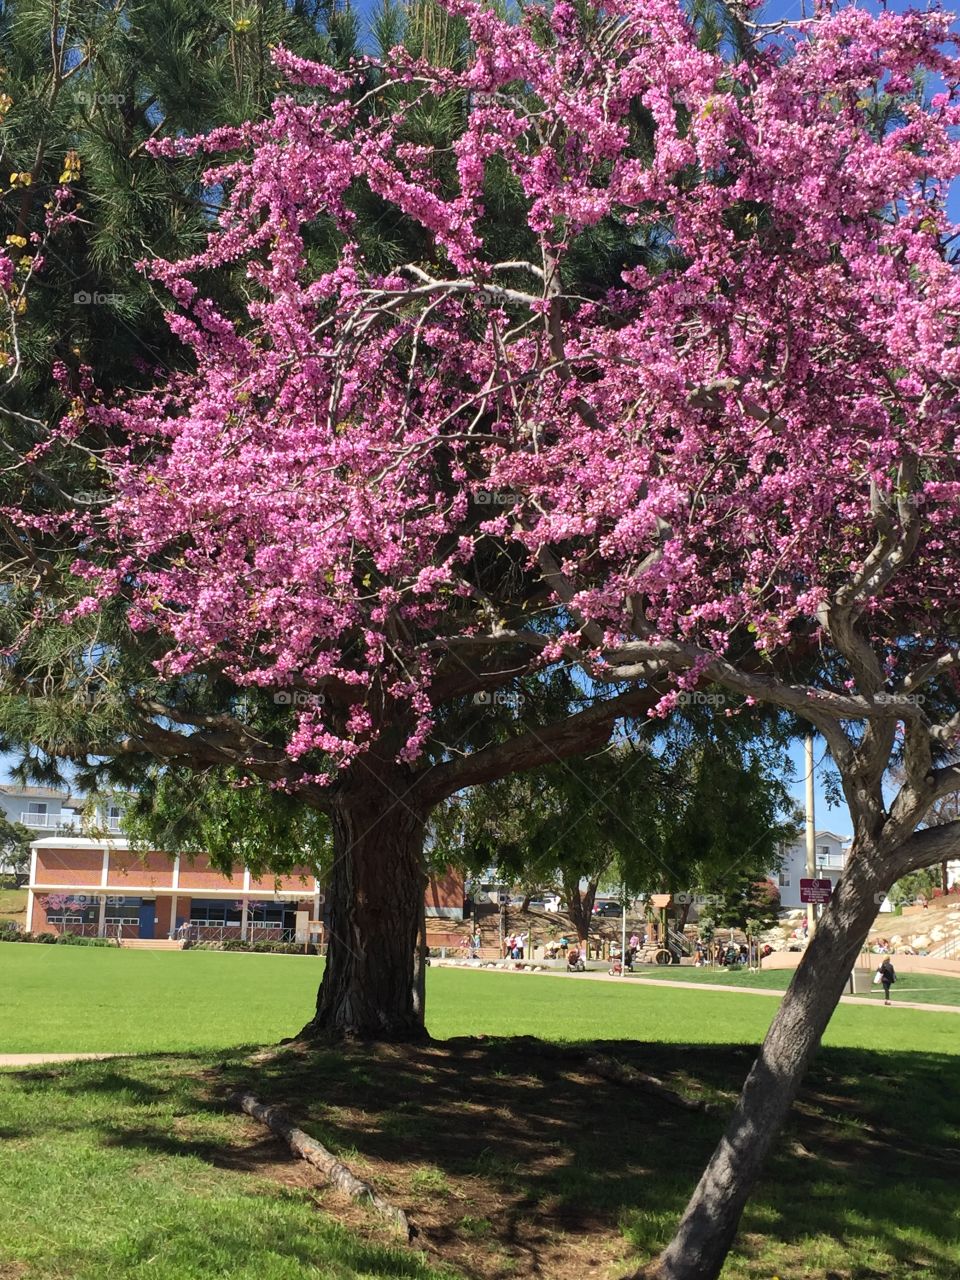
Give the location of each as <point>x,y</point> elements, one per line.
<point>127,1171</point>
<point>63,999</point>
<point>137,1168</point>
<point>923,988</point>
<point>511,1156</point>
<point>13,905</point>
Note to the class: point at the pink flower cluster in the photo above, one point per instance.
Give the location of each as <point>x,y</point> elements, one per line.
<point>706,450</point>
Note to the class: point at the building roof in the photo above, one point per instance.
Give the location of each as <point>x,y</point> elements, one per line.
<point>34,793</point>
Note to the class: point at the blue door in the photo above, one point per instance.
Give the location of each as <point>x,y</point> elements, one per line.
<point>148,918</point>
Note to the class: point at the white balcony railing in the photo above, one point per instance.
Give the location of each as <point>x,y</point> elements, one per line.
<point>47,821</point>
<point>65,821</point>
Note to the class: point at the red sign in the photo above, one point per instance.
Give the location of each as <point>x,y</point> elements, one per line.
<point>815,890</point>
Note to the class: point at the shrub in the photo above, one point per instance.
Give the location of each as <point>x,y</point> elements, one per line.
<point>41,937</point>
<point>9,931</point>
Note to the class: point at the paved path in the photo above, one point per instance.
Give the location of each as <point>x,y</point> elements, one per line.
<point>764,991</point>
<point>638,979</point>
<point>38,1059</point>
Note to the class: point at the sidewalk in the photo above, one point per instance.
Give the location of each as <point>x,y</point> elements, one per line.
<point>637,979</point>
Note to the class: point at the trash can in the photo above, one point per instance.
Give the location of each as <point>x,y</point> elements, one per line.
<point>861,982</point>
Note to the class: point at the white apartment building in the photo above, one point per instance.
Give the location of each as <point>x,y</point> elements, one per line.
<point>831,859</point>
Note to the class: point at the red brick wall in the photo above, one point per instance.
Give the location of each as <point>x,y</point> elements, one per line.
<point>445,891</point>
<point>70,866</point>
<point>38,920</point>
<point>139,870</point>
<point>284,884</point>
<point>196,873</point>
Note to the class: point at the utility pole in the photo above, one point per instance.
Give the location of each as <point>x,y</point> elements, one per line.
<point>811,833</point>
<point>623,932</point>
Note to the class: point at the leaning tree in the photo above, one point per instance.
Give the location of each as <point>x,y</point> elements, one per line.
<point>398,495</point>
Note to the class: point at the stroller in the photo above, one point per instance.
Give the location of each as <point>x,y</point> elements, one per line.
<point>618,966</point>
<point>575,961</point>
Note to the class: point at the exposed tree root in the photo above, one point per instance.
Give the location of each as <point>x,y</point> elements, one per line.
<point>315,1153</point>
<point>620,1073</point>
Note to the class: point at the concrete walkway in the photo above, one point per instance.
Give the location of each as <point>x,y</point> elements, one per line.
<point>39,1059</point>
<point>638,979</point>
<point>763,991</point>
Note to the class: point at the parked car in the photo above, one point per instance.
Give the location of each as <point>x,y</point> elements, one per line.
<point>607,909</point>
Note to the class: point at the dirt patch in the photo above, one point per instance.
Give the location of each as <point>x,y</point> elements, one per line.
<point>515,1158</point>
<point>511,1159</point>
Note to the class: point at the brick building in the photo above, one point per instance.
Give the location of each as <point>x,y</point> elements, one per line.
<point>104,888</point>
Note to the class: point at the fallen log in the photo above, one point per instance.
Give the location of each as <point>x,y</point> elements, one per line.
<point>315,1153</point>
<point>620,1073</point>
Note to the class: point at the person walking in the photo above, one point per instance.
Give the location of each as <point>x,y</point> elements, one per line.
<point>888,976</point>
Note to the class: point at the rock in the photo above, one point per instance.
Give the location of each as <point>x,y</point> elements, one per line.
<point>920,940</point>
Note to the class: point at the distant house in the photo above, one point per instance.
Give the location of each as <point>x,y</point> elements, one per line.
<point>43,809</point>
<point>831,859</point>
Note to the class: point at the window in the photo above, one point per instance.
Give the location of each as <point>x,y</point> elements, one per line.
<point>784,879</point>
<point>210,911</point>
<point>122,910</point>
<point>35,814</point>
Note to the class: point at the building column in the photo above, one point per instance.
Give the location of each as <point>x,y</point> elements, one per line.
<point>102,917</point>
<point>243,919</point>
<point>173,917</point>
<point>29,915</point>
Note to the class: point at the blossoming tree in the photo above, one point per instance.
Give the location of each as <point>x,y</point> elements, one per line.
<point>388,491</point>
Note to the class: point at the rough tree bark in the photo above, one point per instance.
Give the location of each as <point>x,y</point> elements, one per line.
<point>371,986</point>
<point>580,908</point>
<point>709,1224</point>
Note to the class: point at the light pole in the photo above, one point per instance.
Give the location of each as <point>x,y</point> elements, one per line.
<point>811,832</point>
<point>623,931</point>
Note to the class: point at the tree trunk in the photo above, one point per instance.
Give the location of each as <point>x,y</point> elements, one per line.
<point>711,1219</point>
<point>580,909</point>
<point>372,982</point>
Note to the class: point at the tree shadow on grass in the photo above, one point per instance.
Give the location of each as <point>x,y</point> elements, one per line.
<point>548,1153</point>
<point>514,1157</point>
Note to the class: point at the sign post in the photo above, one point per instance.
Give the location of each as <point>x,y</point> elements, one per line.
<point>815,892</point>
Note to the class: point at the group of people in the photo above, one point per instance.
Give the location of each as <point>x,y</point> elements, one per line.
<point>515,945</point>
<point>470,943</point>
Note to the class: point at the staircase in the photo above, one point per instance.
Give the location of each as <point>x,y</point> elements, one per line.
<point>152,944</point>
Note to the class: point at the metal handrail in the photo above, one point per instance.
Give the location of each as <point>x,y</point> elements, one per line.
<point>680,940</point>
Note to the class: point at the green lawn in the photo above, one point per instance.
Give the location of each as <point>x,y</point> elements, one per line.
<point>86,999</point>
<point>13,904</point>
<point>924,988</point>
<point>135,1168</point>
<point>124,1172</point>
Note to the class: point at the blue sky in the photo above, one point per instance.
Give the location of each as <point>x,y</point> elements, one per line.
<point>835,819</point>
